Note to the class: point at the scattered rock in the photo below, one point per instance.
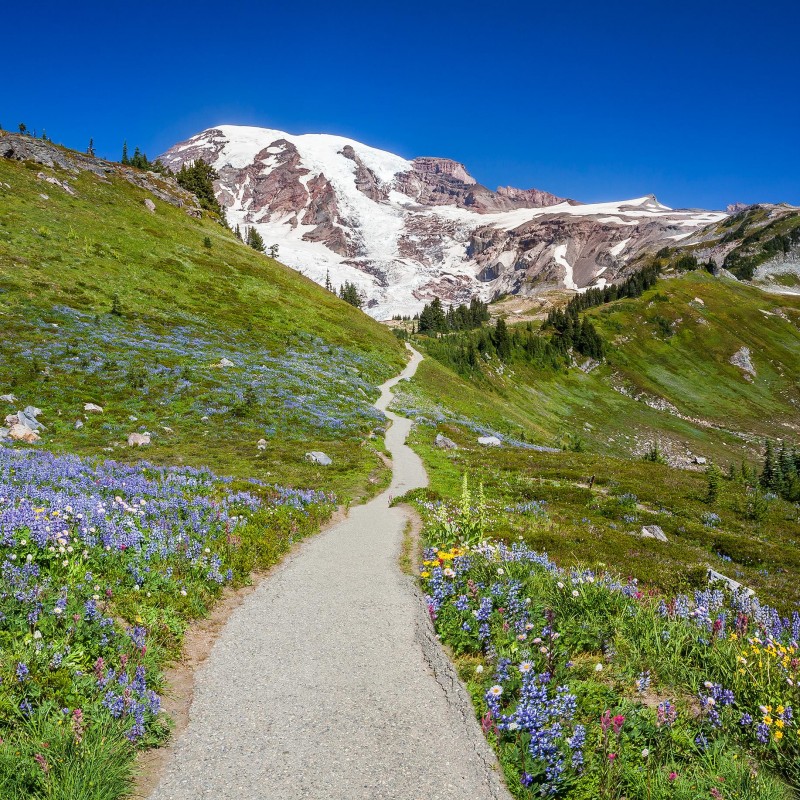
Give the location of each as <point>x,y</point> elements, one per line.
<point>28,418</point>
<point>443,443</point>
<point>224,362</point>
<point>699,301</point>
<point>150,205</point>
<point>93,408</point>
<point>699,460</point>
<point>714,576</point>
<point>317,457</point>
<point>56,182</point>
<point>8,398</point>
<point>741,359</point>
<point>489,441</point>
<point>261,444</point>
<point>653,532</point>
<point>138,439</point>
<point>44,196</point>
<point>167,429</point>
<point>22,433</point>
<point>78,424</point>
<point>197,213</point>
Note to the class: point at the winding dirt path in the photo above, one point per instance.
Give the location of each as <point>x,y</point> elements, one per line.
<point>328,681</point>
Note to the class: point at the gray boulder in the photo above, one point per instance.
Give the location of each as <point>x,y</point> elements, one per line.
<point>489,441</point>
<point>8,398</point>
<point>78,424</point>
<point>443,443</point>
<point>150,205</point>
<point>138,439</point>
<point>317,457</point>
<point>653,532</point>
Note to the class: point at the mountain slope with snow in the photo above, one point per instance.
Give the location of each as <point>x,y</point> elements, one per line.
<point>406,230</point>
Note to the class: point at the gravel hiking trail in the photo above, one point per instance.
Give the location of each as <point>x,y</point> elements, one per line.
<point>328,681</point>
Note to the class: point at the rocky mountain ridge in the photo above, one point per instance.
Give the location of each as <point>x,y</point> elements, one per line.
<point>406,230</point>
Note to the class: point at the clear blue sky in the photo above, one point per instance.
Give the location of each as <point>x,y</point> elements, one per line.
<point>697,102</point>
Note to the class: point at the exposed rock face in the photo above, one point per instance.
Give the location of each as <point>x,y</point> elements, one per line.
<point>26,148</point>
<point>406,230</point>
<point>138,439</point>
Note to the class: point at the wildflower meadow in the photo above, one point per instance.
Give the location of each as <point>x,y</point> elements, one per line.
<point>102,565</point>
<point>591,686</point>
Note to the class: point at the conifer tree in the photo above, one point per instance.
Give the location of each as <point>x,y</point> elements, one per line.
<point>90,148</point>
<point>23,128</point>
<point>328,284</point>
<point>125,159</point>
<point>255,240</point>
<point>713,476</point>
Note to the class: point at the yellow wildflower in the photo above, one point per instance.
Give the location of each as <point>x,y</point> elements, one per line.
<point>778,735</point>
<point>425,574</point>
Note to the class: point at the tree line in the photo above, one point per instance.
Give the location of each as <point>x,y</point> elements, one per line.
<point>780,472</point>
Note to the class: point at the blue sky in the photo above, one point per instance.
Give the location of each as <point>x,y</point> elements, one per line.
<point>697,102</point>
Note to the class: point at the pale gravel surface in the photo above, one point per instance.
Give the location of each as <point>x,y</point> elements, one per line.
<point>328,681</point>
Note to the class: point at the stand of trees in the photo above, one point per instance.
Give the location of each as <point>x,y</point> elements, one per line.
<point>350,294</point>
<point>434,319</point>
<point>780,471</point>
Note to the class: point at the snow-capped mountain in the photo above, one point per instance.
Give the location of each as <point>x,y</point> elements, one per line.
<point>404,231</point>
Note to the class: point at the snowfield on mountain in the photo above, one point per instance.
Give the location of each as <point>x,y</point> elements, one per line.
<point>404,230</point>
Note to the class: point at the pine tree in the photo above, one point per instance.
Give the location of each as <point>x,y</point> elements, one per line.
<point>502,342</point>
<point>350,294</point>
<point>23,128</point>
<point>713,476</point>
<point>255,240</point>
<point>125,159</point>
<point>238,233</point>
<point>769,474</point>
<point>90,148</point>
<point>328,284</point>
<point>273,251</point>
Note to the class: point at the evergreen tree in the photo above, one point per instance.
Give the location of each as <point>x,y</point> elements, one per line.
<point>769,474</point>
<point>255,240</point>
<point>238,233</point>
<point>502,341</point>
<point>198,178</point>
<point>350,294</point>
<point>328,284</point>
<point>125,159</point>
<point>23,128</point>
<point>713,476</point>
<point>273,251</point>
<point>90,148</point>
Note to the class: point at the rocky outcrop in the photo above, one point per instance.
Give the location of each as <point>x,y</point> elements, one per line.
<point>367,182</point>
<point>38,151</point>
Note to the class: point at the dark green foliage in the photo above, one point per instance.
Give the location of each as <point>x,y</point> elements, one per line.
<point>350,294</point>
<point>198,178</point>
<point>255,240</point>
<point>207,242</point>
<point>780,472</point>
<point>116,306</point>
<point>125,159</point>
<point>23,128</point>
<point>654,454</point>
<point>434,319</point>
<point>90,148</point>
<point>328,284</point>
<point>713,476</point>
<point>685,263</point>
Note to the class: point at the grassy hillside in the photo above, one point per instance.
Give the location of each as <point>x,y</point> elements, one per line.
<point>103,301</point>
<point>667,380</point>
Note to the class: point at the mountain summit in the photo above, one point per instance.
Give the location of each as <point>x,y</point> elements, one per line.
<point>406,230</point>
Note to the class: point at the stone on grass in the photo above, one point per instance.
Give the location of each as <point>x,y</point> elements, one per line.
<point>489,441</point>
<point>138,439</point>
<point>78,424</point>
<point>443,443</point>
<point>317,457</point>
<point>700,459</point>
<point>224,362</point>
<point>261,444</point>
<point>653,532</point>
<point>741,359</point>
<point>150,205</point>
<point>22,433</point>
<point>8,398</point>
<point>93,408</point>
